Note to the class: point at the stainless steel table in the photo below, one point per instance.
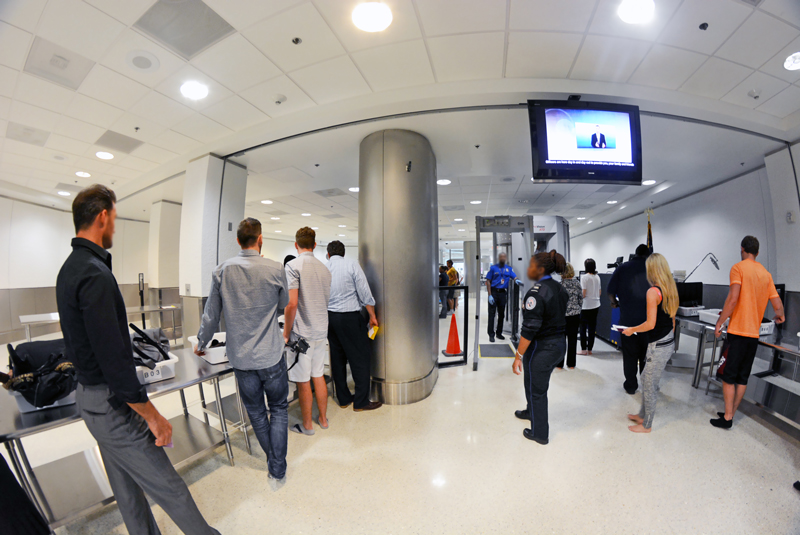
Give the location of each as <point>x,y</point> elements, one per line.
<point>71,487</point>
<point>704,333</point>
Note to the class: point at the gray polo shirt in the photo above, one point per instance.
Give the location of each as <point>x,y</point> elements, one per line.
<point>249,290</point>
<point>312,278</point>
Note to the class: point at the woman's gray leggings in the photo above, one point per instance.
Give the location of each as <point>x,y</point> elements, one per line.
<point>658,354</point>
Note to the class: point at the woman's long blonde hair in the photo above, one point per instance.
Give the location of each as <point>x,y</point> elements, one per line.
<point>659,274</point>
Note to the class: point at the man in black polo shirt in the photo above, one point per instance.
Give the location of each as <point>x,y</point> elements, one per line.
<point>627,290</point>
<point>129,430</point>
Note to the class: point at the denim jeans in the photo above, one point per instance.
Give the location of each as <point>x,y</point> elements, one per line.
<point>273,431</point>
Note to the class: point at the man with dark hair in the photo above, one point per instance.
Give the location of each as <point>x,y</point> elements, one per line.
<point>627,291</point>
<point>250,290</point>
<point>129,431</point>
<point>306,317</point>
<point>347,328</point>
<point>750,291</point>
<point>498,281</point>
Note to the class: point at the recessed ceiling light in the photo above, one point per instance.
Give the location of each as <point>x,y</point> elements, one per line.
<point>622,207</point>
<point>372,16</point>
<point>581,218</point>
<point>275,218</point>
<point>278,231</point>
<point>648,182</point>
<point>83,174</point>
<point>636,11</point>
<point>314,228</point>
<point>266,202</point>
<point>142,61</point>
<point>588,222</point>
<point>611,202</point>
<point>305,215</point>
<point>59,157</point>
<point>458,220</point>
<point>792,63</point>
<point>462,230</point>
<point>341,235</point>
<point>104,155</point>
<point>354,190</point>
<point>194,90</point>
<point>474,202</point>
<point>342,226</point>
<point>443,182</point>
<point>64,193</point>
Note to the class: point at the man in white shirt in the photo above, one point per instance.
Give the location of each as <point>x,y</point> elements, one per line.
<point>347,329</point>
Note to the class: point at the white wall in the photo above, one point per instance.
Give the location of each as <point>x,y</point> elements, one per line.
<point>714,220</point>
<point>130,251</point>
<point>783,191</point>
<point>164,244</point>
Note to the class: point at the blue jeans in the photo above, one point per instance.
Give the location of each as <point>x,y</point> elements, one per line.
<point>273,431</point>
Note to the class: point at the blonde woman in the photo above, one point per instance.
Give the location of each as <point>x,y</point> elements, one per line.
<point>662,305</point>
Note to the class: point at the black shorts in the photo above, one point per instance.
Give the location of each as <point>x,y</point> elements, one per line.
<point>451,294</point>
<point>739,360</point>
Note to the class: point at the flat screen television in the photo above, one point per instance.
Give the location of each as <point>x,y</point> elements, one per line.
<point>585,142</point>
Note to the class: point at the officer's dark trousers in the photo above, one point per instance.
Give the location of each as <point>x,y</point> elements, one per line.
<point>500,300</point>
<point>538,363</point>
<point>347,336</point>
<point>634,356</point>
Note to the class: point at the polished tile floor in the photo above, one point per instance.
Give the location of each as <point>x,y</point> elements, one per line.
<point>457,463</point>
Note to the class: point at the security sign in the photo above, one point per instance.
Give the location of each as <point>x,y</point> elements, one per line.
<point>530,303</point>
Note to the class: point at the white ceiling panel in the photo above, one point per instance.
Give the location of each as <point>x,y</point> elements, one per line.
<point>175,142</point>
<point>14,45</point>
<point>235,113</point>
<point>153,154</point>
<point>784,103</point>
<point>171,87</point>
<point>443,17</point>
<point>42,93</point>
<point>767,87</point>
<point>723,18</point>
<point>263,96</point>
<point>110,87</point>
<point>8,80</point>
<point>92,111</point>
<point>332,80</point>
<point>23,149</point>
<point>775,65</point>
<point>395,66</point>
<point>32,116</point>
<point>274,38</point>
<point>201,128</point>
<point>137,164</point>
<point>757,40</point>
<point>128,124</point>
<point>541,55</point>
<point>338,15</point>
<point>667,67</point>
<point>161,109</point>
<point>606,21</point>
<point>563,15</point>
<point>79,27</point>
<point>715,78</point>
<point>77,130</point>
<point>467,57</point>
<point>66,144</point>
<point>236,63</point>
<point>23,14</point>
<point>5,107</point>
<point>788,10</point>
<point>125,11</point>
<point>131,41</point>
<point>244,13</point>
<point>609,59</point>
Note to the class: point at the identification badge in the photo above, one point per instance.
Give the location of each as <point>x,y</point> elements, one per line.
<point>502,281</point>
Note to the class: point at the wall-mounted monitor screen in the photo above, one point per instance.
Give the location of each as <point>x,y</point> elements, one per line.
<point>585,142</point>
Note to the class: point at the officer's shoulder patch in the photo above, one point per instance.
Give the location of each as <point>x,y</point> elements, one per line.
<point>530,303</point>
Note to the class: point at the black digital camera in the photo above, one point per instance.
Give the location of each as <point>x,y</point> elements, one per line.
<point>299,346</point>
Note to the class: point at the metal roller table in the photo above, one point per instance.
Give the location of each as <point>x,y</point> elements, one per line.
<point>704,332</point>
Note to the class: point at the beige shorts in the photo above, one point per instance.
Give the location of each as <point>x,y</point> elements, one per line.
<point>309,364</point>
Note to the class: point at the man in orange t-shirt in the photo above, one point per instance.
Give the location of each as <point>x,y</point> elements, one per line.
<point>751,289</point>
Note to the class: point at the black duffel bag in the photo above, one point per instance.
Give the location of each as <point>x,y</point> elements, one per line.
<point>42,372</point>
<point>150,346</point>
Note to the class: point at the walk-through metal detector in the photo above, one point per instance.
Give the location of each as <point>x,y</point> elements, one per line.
<point>520,238</point>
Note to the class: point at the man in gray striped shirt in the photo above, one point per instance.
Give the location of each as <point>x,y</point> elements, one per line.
<point>306,316</point>
<point>347,328</point>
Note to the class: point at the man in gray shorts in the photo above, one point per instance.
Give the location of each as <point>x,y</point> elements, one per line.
<point>306,316</point>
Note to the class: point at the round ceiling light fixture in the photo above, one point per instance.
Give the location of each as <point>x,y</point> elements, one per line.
<point>372,16</point>
<point>611,202</point>
<point>82,174</point>
<point>458,220</point>
<point>341,235</point>
<point>306,215</point>
<point>275,218</point>
<point>354,190</point>
<point>194,90</point>
<point>342,226</point>
<point>64,193</point>
<point>792,63</point>
<point>443,182</point>
<point>104,155</point>
<point>266,201</point>
<point>648,182</point>
<point>278,231</point>
<point>462,230</point>
<point>475,202</point>
<point>581,218</point>
<point>314,228</point>
<point>142,61</point>
<point>636,11</point>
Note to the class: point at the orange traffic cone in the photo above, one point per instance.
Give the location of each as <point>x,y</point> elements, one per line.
<point>453,347</point>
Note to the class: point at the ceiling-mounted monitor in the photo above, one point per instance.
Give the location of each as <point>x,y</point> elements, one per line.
<point>585,142</point>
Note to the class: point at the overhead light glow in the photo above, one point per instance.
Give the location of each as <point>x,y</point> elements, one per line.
<point>104,155</point>
<point>474,202</point>
<point>275,218</point>
<point>354,190</point>
<point>341,235</point>
<point>342,226</point>
<point>64,193</point>
<point>462,230</point>
<point>443,182</point>
<point>581,218</point>
<point>622,207</point>
<point>636,11</point>
<point>194,90</point>
<point>648,182</point>
<point>278,231</point>
<point>459,220</point>
<point>372,16</point>
<point>588,222</point>
<point>314,228</point>
<point>266,201</point>
<point>792,63</point>
<point>611,202</point>
<point>306,215</point>
<point>83,174</point>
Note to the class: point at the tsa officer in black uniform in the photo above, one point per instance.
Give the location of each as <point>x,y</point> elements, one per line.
<point>497,281</point>
<point>543,341</point>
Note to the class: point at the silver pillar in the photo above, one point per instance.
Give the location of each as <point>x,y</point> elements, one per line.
<point>398,238</point>
<point>471,276</point>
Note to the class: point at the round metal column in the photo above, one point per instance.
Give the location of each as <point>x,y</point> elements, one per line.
<point>397,237</point>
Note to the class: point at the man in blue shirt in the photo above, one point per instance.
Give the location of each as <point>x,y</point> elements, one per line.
<point>497,281</point>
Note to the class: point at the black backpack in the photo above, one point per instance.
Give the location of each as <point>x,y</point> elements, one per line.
<point>42,372</point>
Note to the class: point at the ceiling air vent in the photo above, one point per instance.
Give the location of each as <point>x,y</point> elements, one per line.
<point>335,192</point>
<point>454,208</point>
<point>119,142</point>
<point>27,134</point>
<point>333,216</point>
<point>610,189</point>
<point>186,27</point>
<point>583,206</point>
<point>57,64</point>
<point>277,212</point>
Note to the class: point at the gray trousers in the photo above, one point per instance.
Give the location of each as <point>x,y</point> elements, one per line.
<point>135,466</point>
<point>658,354</point>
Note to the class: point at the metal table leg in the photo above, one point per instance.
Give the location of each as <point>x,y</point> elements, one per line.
<point>700,358</point>
<point>241,418</point>
<point>22,477</point>
<point>183,403</point>
<point>222,424</point>
<point>203,402</point>
<point>711,366</point>
<point>28,333</point>
<point>37,490</point>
